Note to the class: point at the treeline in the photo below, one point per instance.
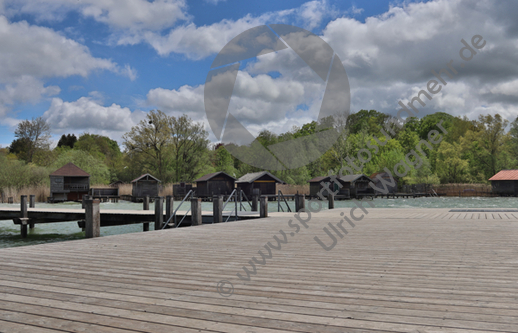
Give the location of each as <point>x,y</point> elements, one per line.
<point>177,149</point>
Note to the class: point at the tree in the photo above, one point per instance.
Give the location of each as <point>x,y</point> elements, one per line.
<point>34,135</point>
<point>451,168</point>
<point>189,147</point>
<point>67,140</point>
<point>486,144</point>
<point>147,142</point>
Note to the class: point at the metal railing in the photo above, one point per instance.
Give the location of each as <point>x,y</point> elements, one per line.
<point>173,216</point>
<point>279,205</point>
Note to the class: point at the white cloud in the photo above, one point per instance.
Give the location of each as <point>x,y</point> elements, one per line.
<point>86,114</point>
<point>126,14</point>
<point>42,53</point>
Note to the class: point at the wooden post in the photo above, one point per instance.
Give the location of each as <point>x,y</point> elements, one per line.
<point>159,213</point>
<point>331,201</point>
<point>196,216</point>
<point>169,207</point>
<point>263,211</point>
<point>10,200</point>
<point>217,209</point>
<point>300,202</point>
<point>24,215</point>
<point>146,203</point>
<point>145,226</point>
<point>83,200</point>
<point>32,204</point>
<point>255,197</point>
<point>92,218</point>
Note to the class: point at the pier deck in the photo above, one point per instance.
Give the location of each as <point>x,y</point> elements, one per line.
<point>109,217</point>
<point>397,270</point>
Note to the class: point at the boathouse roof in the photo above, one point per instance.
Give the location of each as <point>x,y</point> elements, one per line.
<point>70,170</point>
<point>147,176</point>
<point>347,178</point>
<point>506,175</point>
<point>209,176</point>
<point>253,176</point>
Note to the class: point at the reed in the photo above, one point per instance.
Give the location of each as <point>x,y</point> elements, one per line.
<point>40,191</point>
<point>293,189</point>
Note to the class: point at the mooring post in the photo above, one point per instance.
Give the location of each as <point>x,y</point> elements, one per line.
<point>159,213</point>
<point>92,218</point>
<point>32,204</point>
<point>146,203</point>
<point>169,205</point>
<point>145,225</point>
<point>24,215</point>
<point>255,197</point>
<point>217,209</point>
<point>300,202</point>
<point>196,216</point>
<point>83,200</point>
<point>331,200</point>
<point>10,200</point>
<point>263,211</point>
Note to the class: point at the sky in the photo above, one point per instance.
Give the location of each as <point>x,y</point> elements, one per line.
<point>97,66</point>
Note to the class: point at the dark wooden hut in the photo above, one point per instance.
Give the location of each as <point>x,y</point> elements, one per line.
<point>263,180</point>
<point>376,179</point>
<point>217,183</point>
<point>505,183</point>
<point>69,183</point>
<point>145,185</point>
<point>352,186</point>
<point>180,190</point>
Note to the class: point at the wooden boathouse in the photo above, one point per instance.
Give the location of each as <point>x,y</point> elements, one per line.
<point>376,179</point>
<point>505,183</point>
<point>69,183</point>
<point>217,183</point>
<point>353,186</point>
<point>263,180</point>
<point>145,185</point>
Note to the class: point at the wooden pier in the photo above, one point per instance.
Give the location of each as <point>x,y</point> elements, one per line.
<point>397,270</point>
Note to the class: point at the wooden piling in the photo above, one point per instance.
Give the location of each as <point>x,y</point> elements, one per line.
<point>300,202</point>
<point>331,201</point>
<point>145,226</point>
<point>10,200</point>
<point>92,218</point>
<point>159,213</point>
<point>32,204</point>
<point>24,215</point>
<point>217,210</point>
<point>263,211</point>
<point>169,207</point>
<point>196,216</point>
<point>255,198</point>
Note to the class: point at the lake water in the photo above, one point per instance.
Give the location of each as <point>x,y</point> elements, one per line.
<point>64,231</point>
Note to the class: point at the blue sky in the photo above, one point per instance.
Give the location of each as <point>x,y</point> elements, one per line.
<point>96,66</point>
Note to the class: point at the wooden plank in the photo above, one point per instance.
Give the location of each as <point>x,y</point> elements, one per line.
<point>396,271</point>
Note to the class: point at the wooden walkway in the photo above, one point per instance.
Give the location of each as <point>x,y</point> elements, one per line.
<point>109,217</point>
<point>397,270</point>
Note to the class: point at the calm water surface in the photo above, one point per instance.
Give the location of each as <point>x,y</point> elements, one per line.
<point>63,231</point>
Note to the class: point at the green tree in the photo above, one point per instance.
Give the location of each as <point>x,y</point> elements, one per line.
<point>147,143</point>
<point>67,140</point>
<point>451,168</point>
<point>189,146</point>
<point>34,135</point>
